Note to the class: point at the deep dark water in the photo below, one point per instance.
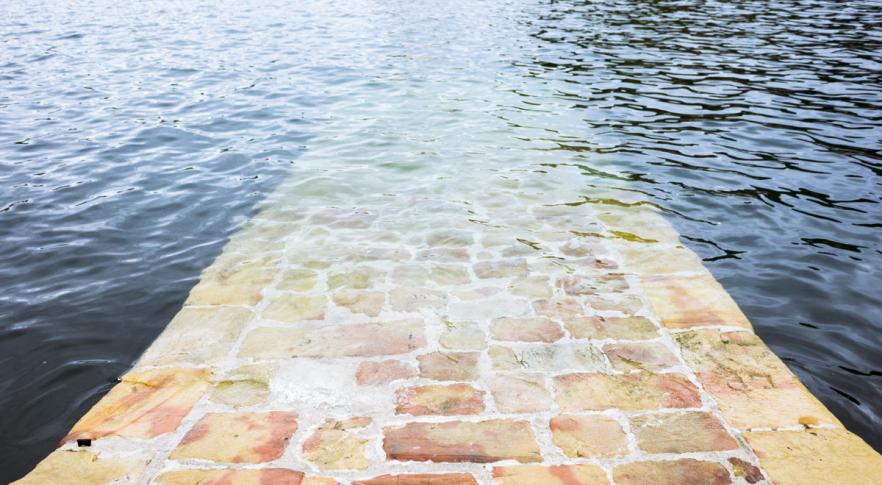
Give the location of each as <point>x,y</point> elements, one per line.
<point>134,139</point>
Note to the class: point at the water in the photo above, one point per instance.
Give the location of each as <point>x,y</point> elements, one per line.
<point>134,140</point>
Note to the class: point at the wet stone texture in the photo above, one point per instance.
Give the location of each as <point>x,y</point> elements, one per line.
<point>524,337</point>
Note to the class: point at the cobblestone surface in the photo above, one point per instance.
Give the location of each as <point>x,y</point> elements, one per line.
<point>523,337</point>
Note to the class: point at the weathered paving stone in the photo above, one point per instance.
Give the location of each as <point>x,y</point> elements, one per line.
<point>581,474</point>
<point>691,301</point>
<point>446,400</point>
<point>444,255</point>
<point>681,433</point>
<point>145,404</point>
<point>68,467</point>
<point>628,356</point>
<point>247,385</point>
<point>592,284</point>
<point>503,268</point>
<point>415,299</point>
<point>421,479</point>
<point>293,307</point>
<point>450,237</point>
<point>488,308</point>
<point>660,259</point>
<point>816,456</point>
<point>462,441</point>
<point>531,286</point>
<point>526,329</point>
<point>632,392</point>
<point>238,437</point>
<point>592,436</point>
<point>361,340</point>
<point>355,279</point>
<point>234,280</point>
<point>625,328</point>
<point>746,470</point>
<point>679,472</point>
<point>559,308</point>
<point>751,386</point>
<point>298,280</point>
<point>449,274</point>
<point>368,302</point>
<point>520,393</point>
<point>200,335</point>
<point>463,336</point>
<point>627,304</point>
<point>548,357</point>
<point>449,366</point>
<point>334,446</point>
<point>410,275</point>
<point>376,373</point>
<point>275,476</point>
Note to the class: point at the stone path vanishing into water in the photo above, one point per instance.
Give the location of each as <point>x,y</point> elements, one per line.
<point>529,334</point>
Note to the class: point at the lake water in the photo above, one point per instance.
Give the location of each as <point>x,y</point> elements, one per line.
<point>134,139</point>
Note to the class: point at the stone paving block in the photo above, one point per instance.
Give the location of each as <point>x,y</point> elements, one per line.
<point>274,476</point>
<point>677,472</point>
<point>145,404</point>
<point>361,340</point>
<point>503,268</point>
<point>691,301</point>
<point>526,329</point>
<point>488,308</point>
<point>234,280</point>
<point>627,304</point>
<point>410,275</point>
<point>247,385</point>
<point>421,479</point>
<point>238,437</point>
<point>561,356</point>
<point>411,299</point>
<point>598,327</point>
<point>591,436</point>
<point>531,286</point>
<point>751,386</point>
<point>632,392</point>
<point>628,356</point>
<point>449,274</point>
<point>462,441</point>
<point>198,335</point>
<point>520,393</point>
<point>375,373</point>
<point>581,474</point>
<point>67,467</point>
<point>445,400</point>
<point>449,366</point>
<point>444,255</point>
<point>660,259</point>
<point>462,336</point>
<point>298,280</point>
<point>368,302</point>
<point>355,279</point>
<point>293,307</point>
<point>334,446</point>
<point>583,285</point>
<point>559,308</point>
<point>681,433</point>
<point>829,456</point>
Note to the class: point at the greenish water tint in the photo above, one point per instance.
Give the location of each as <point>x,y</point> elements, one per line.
<point>135,138</point>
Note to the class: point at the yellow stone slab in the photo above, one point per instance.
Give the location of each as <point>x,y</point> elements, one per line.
<point>817,457</point>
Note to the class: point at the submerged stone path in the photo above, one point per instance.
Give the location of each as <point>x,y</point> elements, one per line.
<point>531,334</point>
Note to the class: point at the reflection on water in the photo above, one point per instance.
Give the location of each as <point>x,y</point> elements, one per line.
<point>133,139</point>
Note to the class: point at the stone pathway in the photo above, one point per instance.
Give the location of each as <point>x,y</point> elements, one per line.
<point>527,335</point>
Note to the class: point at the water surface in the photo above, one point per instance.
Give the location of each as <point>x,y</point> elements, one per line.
<point>134,139</point>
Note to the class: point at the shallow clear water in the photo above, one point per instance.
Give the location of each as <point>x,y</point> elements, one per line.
<point>134,140</point>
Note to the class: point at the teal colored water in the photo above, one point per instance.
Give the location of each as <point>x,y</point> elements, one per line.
<point>135,138</point>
